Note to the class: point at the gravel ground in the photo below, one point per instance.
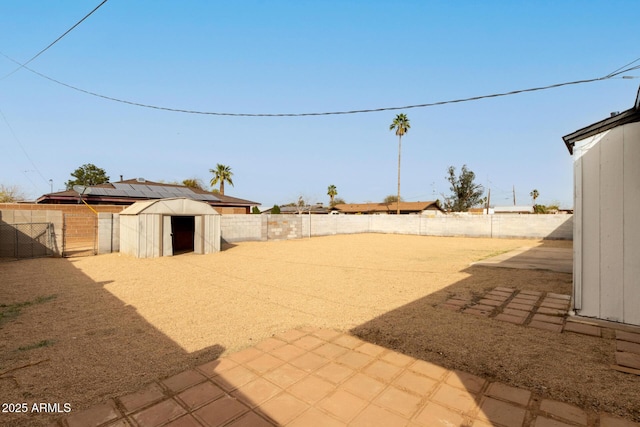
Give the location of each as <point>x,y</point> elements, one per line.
<point>82,330</point>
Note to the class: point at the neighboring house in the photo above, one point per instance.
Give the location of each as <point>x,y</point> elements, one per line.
<point>513,209</point>
<point>606,242</point>
<point>427,208</point>
<point>313,209</point>
<point>130,191</point>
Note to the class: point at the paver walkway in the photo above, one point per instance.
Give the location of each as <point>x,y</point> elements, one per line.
<point>319,377</point>
<point>533,258</point>
<point>543,310</point>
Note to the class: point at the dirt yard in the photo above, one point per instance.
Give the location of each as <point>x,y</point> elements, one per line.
<point>82,330</point>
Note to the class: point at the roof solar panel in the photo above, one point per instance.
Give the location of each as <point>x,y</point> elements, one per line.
<point>99,191</point>
<point>150,194</point>
<point>121,186</point>
<point>163,189</point>
<point>134,193</point>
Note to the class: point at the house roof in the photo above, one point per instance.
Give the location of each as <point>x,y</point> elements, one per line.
<point>631,115</point>
<point>133,190</point>
<point>513,209</point>
<point>314,209</point>
<point>386,207</point>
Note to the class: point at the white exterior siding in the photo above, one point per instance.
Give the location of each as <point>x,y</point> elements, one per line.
<point>607,234</point>
<point>631,245</point>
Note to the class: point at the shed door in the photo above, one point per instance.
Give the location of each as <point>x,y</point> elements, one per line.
<point>182,230</point>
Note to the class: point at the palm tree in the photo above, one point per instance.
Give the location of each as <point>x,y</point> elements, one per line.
<point>402,126</point>
<point>534,195</point>
<point>221,174</point>
<point>332,192</point>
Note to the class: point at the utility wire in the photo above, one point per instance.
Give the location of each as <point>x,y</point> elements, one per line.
<point>55,41</point>
<point>616,71</point>
<point>330,113</point>
<point>4,118</point>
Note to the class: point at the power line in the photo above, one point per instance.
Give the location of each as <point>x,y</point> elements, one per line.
<point>330,113</point>
<point>4,118</point>
<point>615,72</point>
<point>55,41</point>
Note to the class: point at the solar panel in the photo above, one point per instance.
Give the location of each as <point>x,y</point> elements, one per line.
<point>164,189</point>
<point>99,191</point>
<point>120,186</point>
<point>186,190</point>
<point>134,193</point>
<point>141,191</point>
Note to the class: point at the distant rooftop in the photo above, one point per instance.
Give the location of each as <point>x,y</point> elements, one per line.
<point>132,190</point>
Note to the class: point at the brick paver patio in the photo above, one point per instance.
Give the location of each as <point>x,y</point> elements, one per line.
<point>320,377</point>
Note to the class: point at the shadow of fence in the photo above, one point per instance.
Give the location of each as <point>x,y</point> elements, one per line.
<point>29,240</point>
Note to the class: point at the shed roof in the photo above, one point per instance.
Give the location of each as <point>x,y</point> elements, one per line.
<point>176,206</point>
<point>629,116</point>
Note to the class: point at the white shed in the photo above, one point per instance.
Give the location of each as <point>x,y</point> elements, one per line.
<point>167,227</point>
<point>606,242</point>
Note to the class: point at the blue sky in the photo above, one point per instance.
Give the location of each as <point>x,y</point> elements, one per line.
<point>304,56</point>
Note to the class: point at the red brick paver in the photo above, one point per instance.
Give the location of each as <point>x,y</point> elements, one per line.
<point>314,377</point>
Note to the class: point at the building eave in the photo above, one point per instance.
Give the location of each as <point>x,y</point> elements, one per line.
<point>631,115</point>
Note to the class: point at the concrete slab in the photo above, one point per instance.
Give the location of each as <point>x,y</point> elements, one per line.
<point>533,258</point>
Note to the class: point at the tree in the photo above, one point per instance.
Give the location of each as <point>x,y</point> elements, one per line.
<point>87,175</point>
<point>301,204</point>
<point>221,174</point>
<point>193,183</point>
<point>401,126</point>
<point>339,201</point>
<point>391,198</point>
<point>332,192</point>
<point>255,210</point>
<point>10,194</point>
<point>534,195</point>
<point>466,193</point>
<point>275,209</point>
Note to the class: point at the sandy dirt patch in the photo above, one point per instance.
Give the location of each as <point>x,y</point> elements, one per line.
<point>99,327</point>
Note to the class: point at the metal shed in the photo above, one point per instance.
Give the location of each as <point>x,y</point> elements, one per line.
<point>606,272</point>
<point>168,227</point>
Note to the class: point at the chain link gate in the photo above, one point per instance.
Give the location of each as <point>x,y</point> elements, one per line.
<point>28,240</point>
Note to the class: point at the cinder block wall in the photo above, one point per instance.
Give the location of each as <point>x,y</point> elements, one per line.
<point>79,219</point>
<point>240,227</point>
<point>31,216</point>
<point>236,228</point>
<point>283,227</point>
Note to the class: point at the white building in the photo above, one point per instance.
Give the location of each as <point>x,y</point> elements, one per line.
<point>167,227</point>
<point>606,242</point>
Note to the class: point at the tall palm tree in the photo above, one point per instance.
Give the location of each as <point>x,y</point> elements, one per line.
<point>221,174</point>
<point>401,126</point>
<point>534,195</point>
<point>332,192</point>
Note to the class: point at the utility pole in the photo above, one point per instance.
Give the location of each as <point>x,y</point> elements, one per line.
<point>488,201</point>
<point>514,195</point>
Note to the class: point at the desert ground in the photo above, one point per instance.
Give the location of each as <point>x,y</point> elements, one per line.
<point>82,330</point>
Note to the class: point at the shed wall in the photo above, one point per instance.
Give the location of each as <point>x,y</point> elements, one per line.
<point>607,237</point>
<point>150,237</point>
<point>129,235</point>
